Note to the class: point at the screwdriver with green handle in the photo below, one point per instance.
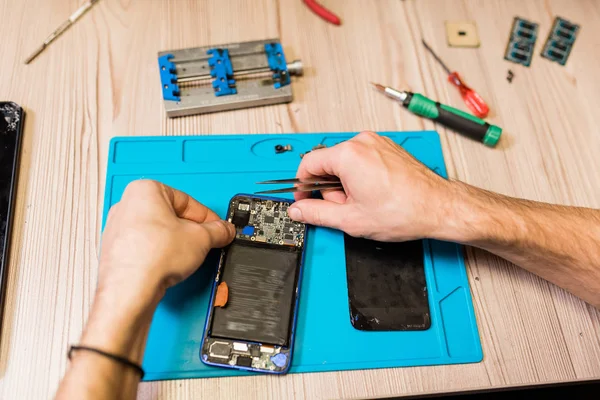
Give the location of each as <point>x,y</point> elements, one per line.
<point>452,118</point>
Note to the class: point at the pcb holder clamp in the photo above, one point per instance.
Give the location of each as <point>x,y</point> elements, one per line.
<point>219,78</point>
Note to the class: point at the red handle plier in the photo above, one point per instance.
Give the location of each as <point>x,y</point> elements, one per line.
<point>323,12</point>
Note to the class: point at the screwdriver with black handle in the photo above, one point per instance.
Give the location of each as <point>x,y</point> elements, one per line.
<point>452,118</point>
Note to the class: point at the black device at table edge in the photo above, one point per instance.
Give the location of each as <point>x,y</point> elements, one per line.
<point>11,130</point>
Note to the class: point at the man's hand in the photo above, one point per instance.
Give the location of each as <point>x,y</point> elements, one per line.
<point>388,195</point>
<point>155,237</point>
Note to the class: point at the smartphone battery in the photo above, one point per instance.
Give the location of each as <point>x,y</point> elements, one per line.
<point>261,285</point>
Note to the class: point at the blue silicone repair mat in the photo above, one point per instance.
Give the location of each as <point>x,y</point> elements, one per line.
<point>213,169</point>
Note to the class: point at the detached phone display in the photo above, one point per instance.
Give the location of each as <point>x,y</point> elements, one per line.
<point>11,129</point>
<point>387,290</point>
<point>252,315</point>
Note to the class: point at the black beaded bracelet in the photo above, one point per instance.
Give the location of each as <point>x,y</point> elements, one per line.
<point>113,357</point>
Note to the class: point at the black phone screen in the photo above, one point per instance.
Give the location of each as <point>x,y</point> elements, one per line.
<point>387,290</point>
<point>11,125</point>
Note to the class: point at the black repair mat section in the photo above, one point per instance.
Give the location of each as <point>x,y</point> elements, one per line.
<point>261,285</point>
<point>387,290</point>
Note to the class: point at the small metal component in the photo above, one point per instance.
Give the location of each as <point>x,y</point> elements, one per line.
<point>462,34</point>
<point>317,147</point>
<point>282,149</point>
<point>61,29</point>
<point>253,77</point>
<point>238,346</point>
<point>267,349</point>
<point>219,349</point>
<point>296,68</point>
<point>393,93</point>
<point>509,76</point>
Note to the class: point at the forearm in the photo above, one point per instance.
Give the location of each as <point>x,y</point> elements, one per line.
<point>560,244</point>
<point>116,325</point>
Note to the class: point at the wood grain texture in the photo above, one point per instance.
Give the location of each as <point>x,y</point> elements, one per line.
<point>99,80</point>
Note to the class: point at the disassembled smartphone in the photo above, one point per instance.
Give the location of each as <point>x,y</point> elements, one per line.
<point>252,314</point>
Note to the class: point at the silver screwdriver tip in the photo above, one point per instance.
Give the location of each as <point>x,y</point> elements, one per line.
<point>35,54</point>
<point>379,87</point>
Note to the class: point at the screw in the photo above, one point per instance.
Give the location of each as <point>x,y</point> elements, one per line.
<point>282,149</point>
<point>510,76</point>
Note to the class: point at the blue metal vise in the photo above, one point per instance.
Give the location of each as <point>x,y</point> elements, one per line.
<point>222,71</point>
<point>277,63</point>
<point>168,78</point>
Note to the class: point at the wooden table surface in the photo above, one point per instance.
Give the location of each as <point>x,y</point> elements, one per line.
<point>100,80</point>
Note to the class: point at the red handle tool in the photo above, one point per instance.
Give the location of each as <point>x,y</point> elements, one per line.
<point>323,12</point>
<point>471,98</point>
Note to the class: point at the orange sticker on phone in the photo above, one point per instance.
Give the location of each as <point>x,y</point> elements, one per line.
<point>222,295</point>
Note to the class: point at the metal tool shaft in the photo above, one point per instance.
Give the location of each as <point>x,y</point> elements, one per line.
<point>437,58</point>
<point>294,68</point>
<point>390,92</point>
<point>61,29</point>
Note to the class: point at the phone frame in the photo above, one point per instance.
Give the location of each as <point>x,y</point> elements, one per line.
<point>294,314</point>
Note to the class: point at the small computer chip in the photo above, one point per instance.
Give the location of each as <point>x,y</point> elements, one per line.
<point>269,219</point>
<point>240,218</point>
<point>244,361</point>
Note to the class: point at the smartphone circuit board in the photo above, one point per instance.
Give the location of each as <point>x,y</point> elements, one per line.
<point>253,330</point>
<point>265,221</point>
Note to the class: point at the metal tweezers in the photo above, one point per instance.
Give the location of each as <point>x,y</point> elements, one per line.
<point>302,185</point>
